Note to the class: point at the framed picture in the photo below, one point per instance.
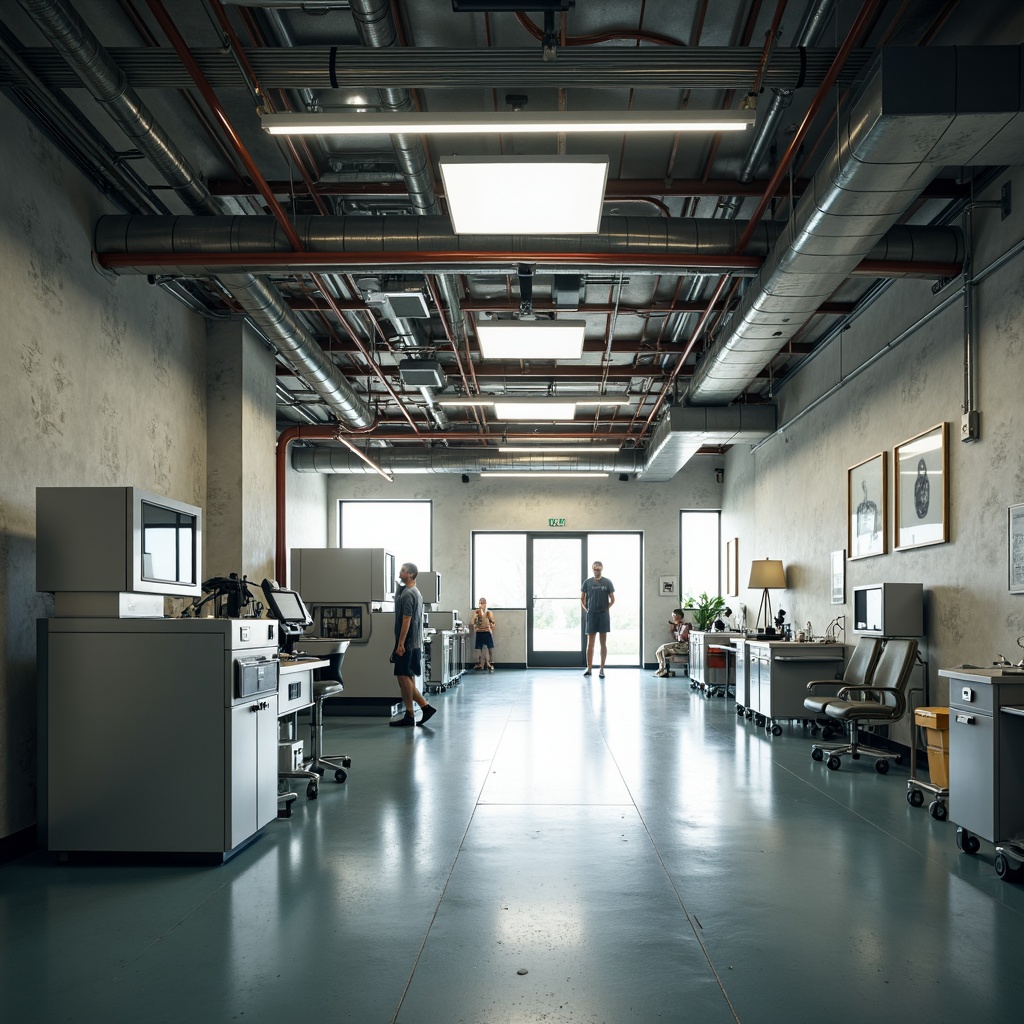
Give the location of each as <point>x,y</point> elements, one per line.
<point>866,485</point>
<point>838,577</point>
<point>732,567</point>
<point>668,585</point>
<point>1015,548</point>
<point>921,471</point>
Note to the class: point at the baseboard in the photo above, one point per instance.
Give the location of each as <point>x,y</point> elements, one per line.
<point>18,844</point>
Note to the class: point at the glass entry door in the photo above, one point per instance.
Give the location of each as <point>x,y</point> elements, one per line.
<point>554,616</point>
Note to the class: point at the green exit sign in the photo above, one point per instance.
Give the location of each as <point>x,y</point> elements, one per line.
<point>556,522</point>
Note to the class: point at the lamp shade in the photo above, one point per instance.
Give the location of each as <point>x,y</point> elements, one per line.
<point>767,574</point>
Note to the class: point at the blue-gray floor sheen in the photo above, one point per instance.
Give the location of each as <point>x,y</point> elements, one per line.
<point>549,849</point>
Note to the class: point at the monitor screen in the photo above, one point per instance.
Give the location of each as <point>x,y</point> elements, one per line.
<point>287,606</point>
<point>169,539</point>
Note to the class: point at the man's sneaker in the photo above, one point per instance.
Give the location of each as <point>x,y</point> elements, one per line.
<point>428,713</point>
<point>600,675</point>
<point>587,673</point>
<point>405,722</point>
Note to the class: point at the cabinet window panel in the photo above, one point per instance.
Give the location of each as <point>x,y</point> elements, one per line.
<point>401,527</point>
<point>499,569</point>
<point>700,553</point>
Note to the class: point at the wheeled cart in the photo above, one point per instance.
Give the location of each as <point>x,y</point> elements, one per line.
<point>935,723</point>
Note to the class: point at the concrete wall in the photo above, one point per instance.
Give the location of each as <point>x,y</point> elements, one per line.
<point>509,504</point>
<point>104,383</point>
<point>788,499</point>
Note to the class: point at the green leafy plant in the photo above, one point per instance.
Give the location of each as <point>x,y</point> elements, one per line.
<point>705,609</point>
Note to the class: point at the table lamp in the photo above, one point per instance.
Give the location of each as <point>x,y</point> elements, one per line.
<point>766,574</point>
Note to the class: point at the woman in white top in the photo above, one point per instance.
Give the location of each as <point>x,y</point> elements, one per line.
<point>483,623</point>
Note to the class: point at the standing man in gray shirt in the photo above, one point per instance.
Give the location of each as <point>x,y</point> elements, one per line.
<point>597,598</point>
<point>408,653</point>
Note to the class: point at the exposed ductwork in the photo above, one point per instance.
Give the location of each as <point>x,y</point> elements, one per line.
<point>922,109</point>
<point>72,38</point>
<point>680,433</point>
<point>655,240</point>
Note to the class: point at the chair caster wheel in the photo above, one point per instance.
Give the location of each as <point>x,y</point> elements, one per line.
<point>817,754</point>
<point>915,798</point>
<point>937,809</point>
<point>882,766</point>
<point>346,762</point>
<point>340,775</point>
<point>833,763</point>
<point>312,791</point>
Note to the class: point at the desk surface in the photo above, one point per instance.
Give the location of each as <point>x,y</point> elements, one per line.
<point>300,664</point>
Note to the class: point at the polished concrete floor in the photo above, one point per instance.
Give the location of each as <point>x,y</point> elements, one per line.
<point>549,849</point>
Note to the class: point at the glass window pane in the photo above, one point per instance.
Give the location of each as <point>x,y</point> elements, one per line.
<point>556,624</point>
<point>556,567</point>
<point>400,527</point>
<point>499,569</point>
<point>699,554</point>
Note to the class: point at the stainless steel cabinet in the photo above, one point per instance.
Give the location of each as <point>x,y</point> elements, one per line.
<point>986,754</point>
<point>778,674</point>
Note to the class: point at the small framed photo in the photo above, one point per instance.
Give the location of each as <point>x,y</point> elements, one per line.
<point>921,471</point>
<point>838,577</point>
<point>1015,548</point>
<point>732,567</point>
<point>866,491</point>
<point>668,586</point>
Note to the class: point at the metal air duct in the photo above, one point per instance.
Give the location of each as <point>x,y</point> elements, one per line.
<point>922,109</point>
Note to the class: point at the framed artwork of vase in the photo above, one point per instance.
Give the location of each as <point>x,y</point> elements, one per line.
<point>866,493</point>
<point>921,472</point>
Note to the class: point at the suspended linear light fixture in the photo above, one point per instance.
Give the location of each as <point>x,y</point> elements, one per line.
<point>542,408</point>
<point>417,122</point>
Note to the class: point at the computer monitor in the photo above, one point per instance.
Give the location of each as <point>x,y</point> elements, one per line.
<point>286,606</point>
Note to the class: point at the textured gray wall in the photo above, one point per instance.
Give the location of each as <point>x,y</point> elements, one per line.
<point>105,384</point>
<point>788,499</point>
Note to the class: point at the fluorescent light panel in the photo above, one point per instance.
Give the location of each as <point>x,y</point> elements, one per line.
<point>531,339</point>
<point>547,195</point>
<point>540,472</point>
<point>512,122</point>
<point>497,400</point>
<point>559,449</point>
<point>527,410</point>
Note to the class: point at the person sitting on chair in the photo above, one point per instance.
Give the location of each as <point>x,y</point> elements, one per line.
<point>679,644</point>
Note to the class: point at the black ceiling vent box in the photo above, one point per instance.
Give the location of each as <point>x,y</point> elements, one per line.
<point>421,373</point>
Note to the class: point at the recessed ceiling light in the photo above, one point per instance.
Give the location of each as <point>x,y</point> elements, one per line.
<point>522,195</point>
<point>531,339</point>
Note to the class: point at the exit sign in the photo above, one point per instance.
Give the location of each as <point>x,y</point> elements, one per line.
<point>556,522</point>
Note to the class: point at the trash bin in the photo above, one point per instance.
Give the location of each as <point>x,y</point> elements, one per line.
<point>935,722</point>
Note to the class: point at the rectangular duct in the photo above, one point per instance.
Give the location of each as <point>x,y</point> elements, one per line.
<point>420,373</point>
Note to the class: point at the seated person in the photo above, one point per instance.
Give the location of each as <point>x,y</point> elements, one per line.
<point>679,644</point>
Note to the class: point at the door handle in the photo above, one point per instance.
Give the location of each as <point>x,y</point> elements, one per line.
<point>965,719</point>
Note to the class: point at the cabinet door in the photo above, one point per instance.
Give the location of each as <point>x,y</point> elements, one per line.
<point>971,768</point>
<point>251,791</point>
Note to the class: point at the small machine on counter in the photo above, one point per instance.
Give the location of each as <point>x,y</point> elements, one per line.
<point>448,650</point>
<point>350,594</point>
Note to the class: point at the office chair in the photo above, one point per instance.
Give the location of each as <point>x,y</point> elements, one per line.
<point>882,700</point>
<point>859,670</point>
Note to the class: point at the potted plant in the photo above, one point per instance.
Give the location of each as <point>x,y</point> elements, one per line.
<point>705,610</point>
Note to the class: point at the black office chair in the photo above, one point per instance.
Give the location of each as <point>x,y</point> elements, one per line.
<point>883,700</point>
<point>859,670</point>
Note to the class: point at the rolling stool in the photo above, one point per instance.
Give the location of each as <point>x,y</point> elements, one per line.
<point>329,684</point>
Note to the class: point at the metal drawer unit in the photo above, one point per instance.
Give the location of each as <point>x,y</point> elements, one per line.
<point>779,672</point>
<point>986,755</point>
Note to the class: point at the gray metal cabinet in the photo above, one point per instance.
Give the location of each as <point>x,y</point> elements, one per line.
<point>779,671</point>
<point>986,753</point>
<point>126,700</point>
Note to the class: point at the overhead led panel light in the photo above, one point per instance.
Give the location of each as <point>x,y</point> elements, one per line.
<point>507,121</point>
<point>560,449</point>
<point>524,195</point>
<point>531,339</point>
<point>541,408</point>
<point>541,472</point>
